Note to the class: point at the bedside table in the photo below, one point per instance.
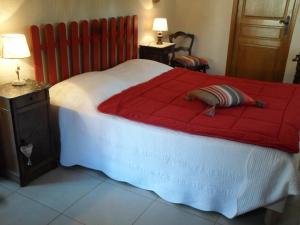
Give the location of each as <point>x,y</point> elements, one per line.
<point>24,125</point>
<point>159,53</point>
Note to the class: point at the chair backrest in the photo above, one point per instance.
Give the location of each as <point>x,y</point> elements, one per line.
<point>185,38</point>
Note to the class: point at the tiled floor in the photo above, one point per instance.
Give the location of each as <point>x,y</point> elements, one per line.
<point>75,196</point>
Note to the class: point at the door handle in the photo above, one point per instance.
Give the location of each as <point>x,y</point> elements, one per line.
<point>286,23</point>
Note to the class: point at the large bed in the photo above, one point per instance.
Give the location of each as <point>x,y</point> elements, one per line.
<point>207,173</point>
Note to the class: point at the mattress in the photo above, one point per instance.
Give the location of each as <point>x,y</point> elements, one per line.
<point>181,168</point>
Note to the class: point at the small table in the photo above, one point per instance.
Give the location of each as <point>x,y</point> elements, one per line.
<point>159,53</point>
<point>26,149</point>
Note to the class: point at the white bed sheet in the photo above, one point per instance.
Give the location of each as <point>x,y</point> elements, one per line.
<point>206,173</point>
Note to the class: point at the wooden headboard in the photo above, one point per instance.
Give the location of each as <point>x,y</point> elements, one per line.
<point>62,51</point>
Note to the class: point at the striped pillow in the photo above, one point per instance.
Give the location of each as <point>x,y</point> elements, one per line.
<point>223,96</point>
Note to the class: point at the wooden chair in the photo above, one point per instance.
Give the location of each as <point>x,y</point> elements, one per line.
<point>186,60</point>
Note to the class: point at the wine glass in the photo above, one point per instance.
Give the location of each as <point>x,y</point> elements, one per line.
<point>27,151</point>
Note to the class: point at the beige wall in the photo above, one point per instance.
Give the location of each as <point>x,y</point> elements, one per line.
<point>210,21</point>
<point>17,15</point>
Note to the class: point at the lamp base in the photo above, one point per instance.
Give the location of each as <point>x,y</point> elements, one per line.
<point>18,83</point>
<point>159,41</point>
<point>159,38</point>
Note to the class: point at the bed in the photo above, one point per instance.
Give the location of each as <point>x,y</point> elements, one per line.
<point>175,165</point>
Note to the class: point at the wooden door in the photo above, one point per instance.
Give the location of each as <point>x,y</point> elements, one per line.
<point>261,31</point>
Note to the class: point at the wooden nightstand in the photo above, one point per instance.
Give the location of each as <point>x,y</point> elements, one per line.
<point>159,53</point>
<point>24,120</point>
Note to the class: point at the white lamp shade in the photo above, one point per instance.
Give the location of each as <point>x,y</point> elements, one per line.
<point>160,24</point>
<point>14,46</point>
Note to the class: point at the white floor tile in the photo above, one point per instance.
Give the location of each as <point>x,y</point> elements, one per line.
<point>163,214</point>
<point>63,220</point>
<point>11,185</point>
<point>103,201</point>
<point>60,188</point>
<point>291,216</point>
<point>253,218</point>
<point>4,192</point>
<point>212,216</point>
<point>17,210</point>
<point>90,172</point>
<point>129,187</point>
<point>109,205</point>
<point>294,201</point>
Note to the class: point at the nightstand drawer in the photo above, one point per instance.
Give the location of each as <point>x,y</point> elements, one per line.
<point>159,53</point>
<point>30,99</point>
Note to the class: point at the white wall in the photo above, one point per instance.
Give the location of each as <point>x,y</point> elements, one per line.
<point>210,21</point>
<point>17,15</point>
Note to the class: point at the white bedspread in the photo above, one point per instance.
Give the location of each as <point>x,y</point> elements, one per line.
<point>206,173</point>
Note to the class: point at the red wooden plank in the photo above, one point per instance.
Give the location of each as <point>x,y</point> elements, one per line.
<point>74,49</point>
<point>85,46</point>
<point>95,45</point>
<point>113,41</point>
<point>128,38</point>
<point>50,52</point>
<point>63,51</point>
<point>121,40</point>
<point>135,37</point>
<point>37,56</point>
<point>104,64</point>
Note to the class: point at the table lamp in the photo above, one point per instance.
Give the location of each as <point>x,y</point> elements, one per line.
<point>160,25</point>
<point>14,46</point>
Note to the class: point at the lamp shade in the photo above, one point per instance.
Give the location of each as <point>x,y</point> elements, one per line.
<point>14,46</point>
<point>160,24</point>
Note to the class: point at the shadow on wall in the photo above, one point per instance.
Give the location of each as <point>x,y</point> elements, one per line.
<point>148,4</point>
<point>9,8</point>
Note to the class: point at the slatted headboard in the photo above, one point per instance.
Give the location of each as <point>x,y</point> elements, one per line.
<point>93,45</point>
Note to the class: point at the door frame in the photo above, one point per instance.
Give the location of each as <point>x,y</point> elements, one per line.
<point>233,30</point>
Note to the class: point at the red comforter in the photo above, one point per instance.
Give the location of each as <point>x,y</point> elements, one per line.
<point>161,102</point>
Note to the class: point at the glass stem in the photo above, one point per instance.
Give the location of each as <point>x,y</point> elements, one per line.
<point>18,72</point>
